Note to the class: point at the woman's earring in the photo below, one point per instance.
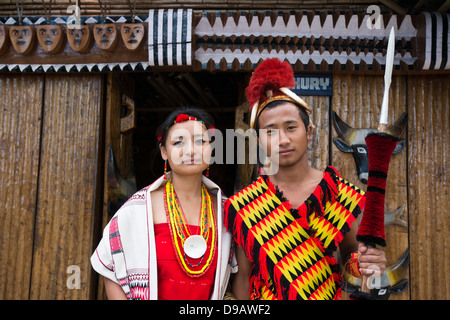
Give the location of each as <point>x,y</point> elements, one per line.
<point>165,169</point>
<point>207,172</point>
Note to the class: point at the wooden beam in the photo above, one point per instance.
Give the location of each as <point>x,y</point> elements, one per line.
<point>418,5</point>
<point>393,6</point>
<point>445,7</point>
<point>122,7</point>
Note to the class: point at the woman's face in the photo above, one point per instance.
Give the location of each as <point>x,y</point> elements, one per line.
<point>187,149</point>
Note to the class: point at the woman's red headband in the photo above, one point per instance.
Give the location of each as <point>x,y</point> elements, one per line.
<point>181,118</point>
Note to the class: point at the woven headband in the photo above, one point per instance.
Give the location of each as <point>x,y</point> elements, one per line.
<point>287,95</point>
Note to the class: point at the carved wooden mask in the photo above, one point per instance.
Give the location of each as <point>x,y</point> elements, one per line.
<point>79,38</point>
<point>132,35</point>
<point>22,38</point>
<point>105,35</point>
<point>4,37</point>
<point>50,37</point>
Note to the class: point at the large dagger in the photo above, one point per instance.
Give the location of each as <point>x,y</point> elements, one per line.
<point>387,81</point>
<point>380,146</point>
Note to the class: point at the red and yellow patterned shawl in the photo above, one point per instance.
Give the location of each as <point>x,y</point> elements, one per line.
<point>292,249</point>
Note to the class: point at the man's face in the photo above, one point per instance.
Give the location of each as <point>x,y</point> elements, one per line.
<point>22,38</point>
<point>283,135</point>
<point>50,37</point>
<point>132,35</point>
<point>79,38</point>
<point>105,36</point>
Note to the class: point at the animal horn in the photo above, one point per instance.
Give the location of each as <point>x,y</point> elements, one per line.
<point>343,130</point>
<point>398,129</point>
<point>397,271</point>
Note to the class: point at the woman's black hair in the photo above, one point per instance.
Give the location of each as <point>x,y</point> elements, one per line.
<point>273,104</point>
<point>198,113</point>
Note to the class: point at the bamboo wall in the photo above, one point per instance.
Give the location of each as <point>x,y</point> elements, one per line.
<point>429,186</point>
<point>20,128</point>
<point>50,137</point>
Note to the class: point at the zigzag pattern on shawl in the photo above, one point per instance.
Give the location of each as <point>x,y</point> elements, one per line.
<point>292,248</point>
<point>139,285</point>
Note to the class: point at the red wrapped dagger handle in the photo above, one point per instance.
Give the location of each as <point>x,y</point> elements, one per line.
<point>380,146</point>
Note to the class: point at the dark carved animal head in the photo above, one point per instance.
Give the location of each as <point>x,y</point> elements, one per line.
<point>353,141</point>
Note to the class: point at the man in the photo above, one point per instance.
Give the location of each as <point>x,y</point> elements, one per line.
<point>289,224</point>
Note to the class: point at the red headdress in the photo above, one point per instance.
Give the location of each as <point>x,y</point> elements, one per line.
<point>271,81</point>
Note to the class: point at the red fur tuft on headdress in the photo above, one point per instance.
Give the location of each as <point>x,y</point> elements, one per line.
<point>271,74</point>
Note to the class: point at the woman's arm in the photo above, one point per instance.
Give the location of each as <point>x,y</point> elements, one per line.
<point>113,290</point>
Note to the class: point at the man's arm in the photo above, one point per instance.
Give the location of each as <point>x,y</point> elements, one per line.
<point>349,243</point>
<point>240,286</point>
<point>370,259</point>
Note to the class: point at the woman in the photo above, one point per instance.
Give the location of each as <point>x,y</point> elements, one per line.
<point>168,240</point>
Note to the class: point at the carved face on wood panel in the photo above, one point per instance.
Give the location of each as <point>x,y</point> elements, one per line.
<point>132,35</point>
<point>50,37</point>
<point>22,38</point>
<point>105,36</point>
<point>4,37</point>
<point>79,38</point>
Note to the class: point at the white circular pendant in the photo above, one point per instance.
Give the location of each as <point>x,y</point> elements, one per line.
<point>195,246</point>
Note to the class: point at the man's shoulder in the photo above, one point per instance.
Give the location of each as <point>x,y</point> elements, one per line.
<point>346,186</point>
<point>246,195</point>
<point>343,184</point>
<point>258,186</point>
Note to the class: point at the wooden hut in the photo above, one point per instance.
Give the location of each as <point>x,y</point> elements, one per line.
<point>78,117</point>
